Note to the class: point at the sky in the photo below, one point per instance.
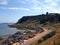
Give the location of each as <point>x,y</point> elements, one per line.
<point>12,10</point>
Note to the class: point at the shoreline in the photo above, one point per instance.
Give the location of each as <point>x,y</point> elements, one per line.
<point>30,37</point>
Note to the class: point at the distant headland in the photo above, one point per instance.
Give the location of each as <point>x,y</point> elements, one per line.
<point>38,19</point>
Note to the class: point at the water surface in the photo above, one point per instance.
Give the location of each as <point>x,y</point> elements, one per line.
<point>6,30</point>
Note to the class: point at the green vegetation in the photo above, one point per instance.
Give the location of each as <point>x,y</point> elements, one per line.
<point>48,20</point>
<point>40,19</point>
<point>55,40</point>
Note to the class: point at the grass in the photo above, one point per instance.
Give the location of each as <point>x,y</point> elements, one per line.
<point>55,40</point>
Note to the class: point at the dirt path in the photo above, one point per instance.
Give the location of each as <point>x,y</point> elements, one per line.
<point>37,37</point>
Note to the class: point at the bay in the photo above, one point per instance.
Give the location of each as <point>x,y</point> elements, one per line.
<point>6,30</point>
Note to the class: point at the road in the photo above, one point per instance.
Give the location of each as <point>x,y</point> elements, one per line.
<point>37,37</point>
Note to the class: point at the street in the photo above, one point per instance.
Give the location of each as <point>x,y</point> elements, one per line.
<point>37,37</point>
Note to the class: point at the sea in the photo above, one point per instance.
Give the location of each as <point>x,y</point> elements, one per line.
<point>6,30</point>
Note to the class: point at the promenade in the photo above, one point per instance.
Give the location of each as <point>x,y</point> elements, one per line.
<point>37,37</point>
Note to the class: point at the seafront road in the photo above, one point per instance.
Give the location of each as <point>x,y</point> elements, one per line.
<point>37,37</point>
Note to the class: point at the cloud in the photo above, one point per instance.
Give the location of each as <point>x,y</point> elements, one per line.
<point>3,2</point>
<point>35,5</point>
<point>46,5</point>
<point>23,2</point>
<point>35,1</point>
<point>28,2</point>
<point>15,8</point>
<point>50,1</point>
<point>51,6</point>
<point>36,8</point>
